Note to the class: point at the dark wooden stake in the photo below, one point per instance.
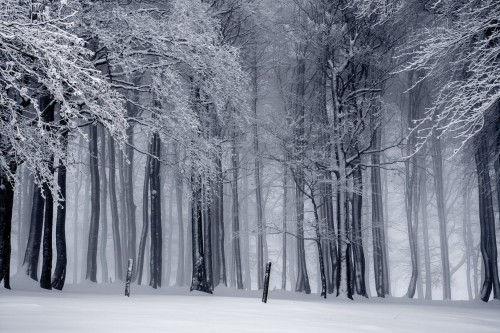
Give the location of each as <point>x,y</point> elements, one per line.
<point>266,282</point>
<point>129,277</point>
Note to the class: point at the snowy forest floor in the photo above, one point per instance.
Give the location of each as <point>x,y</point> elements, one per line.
<point>103,308</point>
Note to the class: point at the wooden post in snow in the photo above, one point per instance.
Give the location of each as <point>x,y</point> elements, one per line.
<point>266,282</point>
<point>129,277</point>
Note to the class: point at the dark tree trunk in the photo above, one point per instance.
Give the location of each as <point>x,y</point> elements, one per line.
<point>207,234</point>
<point>145,217</point>
<point>104,214</point>
<point>236,212</point>
<point>199,278</point>
<point>487,222</point>
<point>257,175</point>
<point>156,228</point>
<point>60,271</point>
<point>6,204</point>
<point>219,199</point>
<point>302,283</point>
<point>437,160</point>
<point>179,279</point>
<point>115,222</point>
<point>425,231</point>
<point>45,277</point>
<point>380,264</point>
<point>357,238</point>
<point>95,211</point>
<point>32,253</point>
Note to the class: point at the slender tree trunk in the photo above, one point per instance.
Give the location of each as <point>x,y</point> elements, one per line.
<point>437,160</point>
<point>46,274</point>
<point>236,212</point>
<point>179,279</point>
<point>156,228</point>
<point>104,200</point>
<point>123,210</point>
<point>284,227</point>
<point>425,231</point>
<point>357,239</point>
<point>321,259</point>
<point>59,276</point>
<point>466,236</point>
<point>207,234</point>
<point>145,218</point>
<point>95,211</point>
<point>257,175</point>
<point>246,234</point>
<point>115,222</point>
<point>378,225</point>
<point>169,230</point>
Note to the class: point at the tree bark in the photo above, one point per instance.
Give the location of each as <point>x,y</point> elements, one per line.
<point>6,204</point>
<point>437,160</point>
<point>115,222</point>
<point>179,279</point>
<point>95,211</point>
<point>236,212</point>
<point>199,279</point>
<point>59,275</point>
<point>103,203</point>
<point>156,228</point>
<point>487,222</point>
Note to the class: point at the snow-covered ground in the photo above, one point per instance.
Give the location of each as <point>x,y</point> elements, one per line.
<point>104,309</point>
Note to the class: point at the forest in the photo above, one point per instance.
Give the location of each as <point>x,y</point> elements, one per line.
<point>355,145</point>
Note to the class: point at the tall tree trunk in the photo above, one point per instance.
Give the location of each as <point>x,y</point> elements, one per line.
<point>246,235</point>
<point>129,197</point>
<point>284,227</point>
<point>357,237</point>
<point>104,200</point>
<point>95,211</point>
<point>123,211</point>
<point>378,224</point>
<point>207,233</point>
<point>437,164</point>
<point>168,232</point>
<point>425,230</point>
<point>115,222</point>
<point>261,234</point>
<point>236,212</point>
<point>145,217</point>
<point>6,204</point>
<point>199,278</point>
<point>487,222</point>
<point>59,276</point>
<point>32,253</point>
<point>467,241</point>
<point>46,274</point>
<point>156,228</point>
<point>179,279</point>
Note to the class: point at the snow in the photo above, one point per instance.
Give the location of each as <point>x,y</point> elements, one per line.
<point>103,308</point>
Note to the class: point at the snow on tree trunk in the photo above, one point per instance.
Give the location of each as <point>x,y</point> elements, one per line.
<point>103,203</point>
